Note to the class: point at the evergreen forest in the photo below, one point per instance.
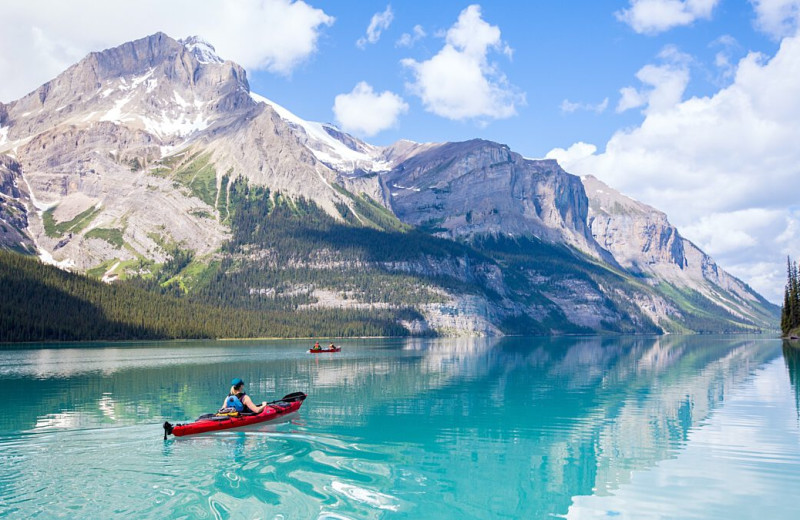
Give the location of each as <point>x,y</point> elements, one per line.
<point>790,312</point>
<point>43,303</point>
<point>378,273</point>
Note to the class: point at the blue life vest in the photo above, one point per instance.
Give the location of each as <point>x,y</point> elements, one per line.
<point>233,401</point>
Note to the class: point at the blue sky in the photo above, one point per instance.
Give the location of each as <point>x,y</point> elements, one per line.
<point>574,51</point>
<point>691,106</point>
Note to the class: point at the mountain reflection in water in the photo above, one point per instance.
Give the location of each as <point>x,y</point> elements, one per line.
<point>439,428</point>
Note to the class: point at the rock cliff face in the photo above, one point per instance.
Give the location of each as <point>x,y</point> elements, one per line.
<point>134,150</point>
<point>13,208</point>
<point>640,237</point>
<point>481,187</point>
<point>644,242</point>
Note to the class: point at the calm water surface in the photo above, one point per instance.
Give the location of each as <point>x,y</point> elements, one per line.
<point>676,427</point>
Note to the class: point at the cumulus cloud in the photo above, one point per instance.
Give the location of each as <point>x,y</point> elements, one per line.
<point>409,39</point>
<point>459,82</point>
<point>656,16</point>
<point>572,155</point>
<point>569,107</point>
<point>662,85</point>
<point>366,113</point>
<point>777,18</point>
<point>273,35</point>
<point>379,23</point>
<point>724,167</point>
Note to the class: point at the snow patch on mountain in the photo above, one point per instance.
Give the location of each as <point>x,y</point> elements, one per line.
<point>326,148</point>
<point>181,126</point>
<point>203,51</point>
<point>47,258</point>
<point>115,114</point>
<point>179,100</point>
<point>137,80</point>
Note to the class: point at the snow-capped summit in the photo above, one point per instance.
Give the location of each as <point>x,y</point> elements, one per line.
<point>203,51</point>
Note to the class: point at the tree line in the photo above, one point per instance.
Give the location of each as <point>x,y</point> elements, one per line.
<point>43,303</point>
<point>790,312</point>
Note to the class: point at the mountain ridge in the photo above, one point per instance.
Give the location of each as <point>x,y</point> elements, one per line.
<point>156,145</point>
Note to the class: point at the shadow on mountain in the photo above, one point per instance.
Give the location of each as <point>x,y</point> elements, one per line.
<point>44,309</point>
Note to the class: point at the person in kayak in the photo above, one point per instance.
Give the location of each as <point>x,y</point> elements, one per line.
<point>316,346</point>
<point>331,346</point>
<point>239,400</point>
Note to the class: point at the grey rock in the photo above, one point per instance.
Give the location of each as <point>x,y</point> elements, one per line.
<point>644,242</point>
<point>14,202</point>
<point>481,187</point>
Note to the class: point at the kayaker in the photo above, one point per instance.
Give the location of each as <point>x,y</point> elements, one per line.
<point>332,346</point>
<point>317,346</point>
<point>238,399</point>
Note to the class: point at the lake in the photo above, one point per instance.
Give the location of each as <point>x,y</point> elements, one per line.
<point>589,427</point>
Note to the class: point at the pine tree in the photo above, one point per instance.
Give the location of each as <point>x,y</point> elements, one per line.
<point>794,296</point>
<point>790,313</point>
<point>785,326</point>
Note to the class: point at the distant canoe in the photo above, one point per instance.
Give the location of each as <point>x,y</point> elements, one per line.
<point>317,351</point>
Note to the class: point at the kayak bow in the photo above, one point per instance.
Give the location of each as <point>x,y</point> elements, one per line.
<point>213,422</point>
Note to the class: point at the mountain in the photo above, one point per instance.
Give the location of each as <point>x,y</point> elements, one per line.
<point>153,161</point>
<point>642,241</point>
<point>481,187</point>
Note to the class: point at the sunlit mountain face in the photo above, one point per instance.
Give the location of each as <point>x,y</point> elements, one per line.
<point>155,151</point>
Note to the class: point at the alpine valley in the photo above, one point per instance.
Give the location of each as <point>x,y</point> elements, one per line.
<point>153,169</point>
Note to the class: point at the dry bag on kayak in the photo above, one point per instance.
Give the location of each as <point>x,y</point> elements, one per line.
<point>234,402</point>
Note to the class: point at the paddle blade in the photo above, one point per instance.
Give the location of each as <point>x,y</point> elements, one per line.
<point>296,396</point>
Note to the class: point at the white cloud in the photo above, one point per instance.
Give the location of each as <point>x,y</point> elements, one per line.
<point>630,98</point>
<point>573,154</point>
<point>47,37</point>
<point>409,39</point>
<point>366,113</point>
<point>724,168</point>
<point>459,82</point>
<point>728,232</point>
<point>379,23</point>
<point>777,18</point>
<point>664,84</point>
<point>569,107</point>
<point>655,16</point>
<point>723,59</point>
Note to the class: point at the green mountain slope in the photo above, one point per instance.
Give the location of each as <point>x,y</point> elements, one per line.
<point>290,270</point>
<point>43,303</point>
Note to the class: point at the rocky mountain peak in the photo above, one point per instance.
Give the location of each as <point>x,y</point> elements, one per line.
<point>643,241</point>
<point>155,84</point>
<point>639,236</point>
<point>482,187</point>
<point>203,51</point>
<point>131,58</point>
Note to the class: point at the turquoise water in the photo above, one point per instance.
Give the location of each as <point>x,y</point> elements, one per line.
<point>675,427</point>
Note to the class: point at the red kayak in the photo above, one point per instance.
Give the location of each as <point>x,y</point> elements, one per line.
<point>213,422</point>
<point>319,350</point>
